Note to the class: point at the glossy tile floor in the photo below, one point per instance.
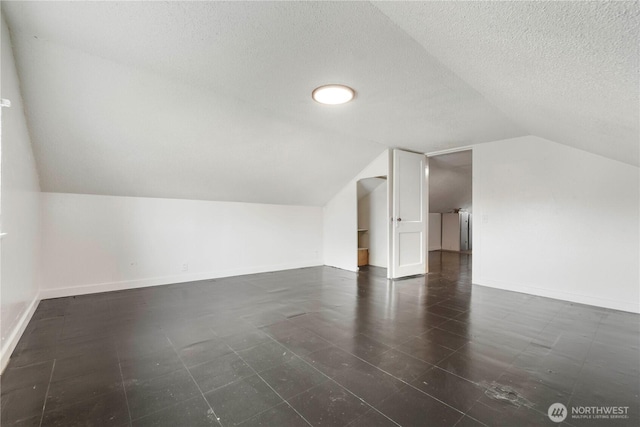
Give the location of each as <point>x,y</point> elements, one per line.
<point>321,346</point>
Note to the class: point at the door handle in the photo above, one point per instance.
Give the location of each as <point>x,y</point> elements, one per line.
<point>399,219</point>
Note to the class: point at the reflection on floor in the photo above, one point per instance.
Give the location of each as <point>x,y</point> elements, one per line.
<point>321,346</point>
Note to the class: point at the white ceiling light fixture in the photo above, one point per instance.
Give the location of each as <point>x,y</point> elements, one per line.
<point>333,94</point>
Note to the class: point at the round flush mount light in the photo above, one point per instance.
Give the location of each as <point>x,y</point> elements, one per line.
<point>333,94</point>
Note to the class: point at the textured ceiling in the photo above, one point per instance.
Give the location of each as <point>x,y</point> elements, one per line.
<point>565,71</point>
<point>211,100</point>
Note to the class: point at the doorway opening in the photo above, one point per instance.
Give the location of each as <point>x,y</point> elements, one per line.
<point>373,242</point>
<point>451,202</point>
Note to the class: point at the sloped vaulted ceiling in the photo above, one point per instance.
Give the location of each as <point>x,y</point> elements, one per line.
<point>211,100</point>
<point>565,71</point>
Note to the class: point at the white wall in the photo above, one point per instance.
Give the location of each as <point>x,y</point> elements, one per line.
<point>372,215</point>
<point>451,232</point>
<point>100,243</point>
<point>555,221</point>
<point>435,231</point>
<point>341,218</point>
<point>20,212</point>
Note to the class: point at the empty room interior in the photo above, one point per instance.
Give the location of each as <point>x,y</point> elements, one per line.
<point>320,213</point>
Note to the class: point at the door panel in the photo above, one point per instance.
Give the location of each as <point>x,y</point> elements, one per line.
<point>407,244</point>
<point>409,214</point>
<point>408,180</point>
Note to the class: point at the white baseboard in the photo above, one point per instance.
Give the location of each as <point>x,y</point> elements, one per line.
<point>343,267</point>
<point>16,334</point>
<point>12,341</point>
<point>630,306</point>
<point>168,280</point>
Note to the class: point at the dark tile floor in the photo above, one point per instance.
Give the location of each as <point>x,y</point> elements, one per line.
<point>321,346</point>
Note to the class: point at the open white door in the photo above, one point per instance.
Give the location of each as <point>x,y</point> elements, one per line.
<point>409,214</point>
